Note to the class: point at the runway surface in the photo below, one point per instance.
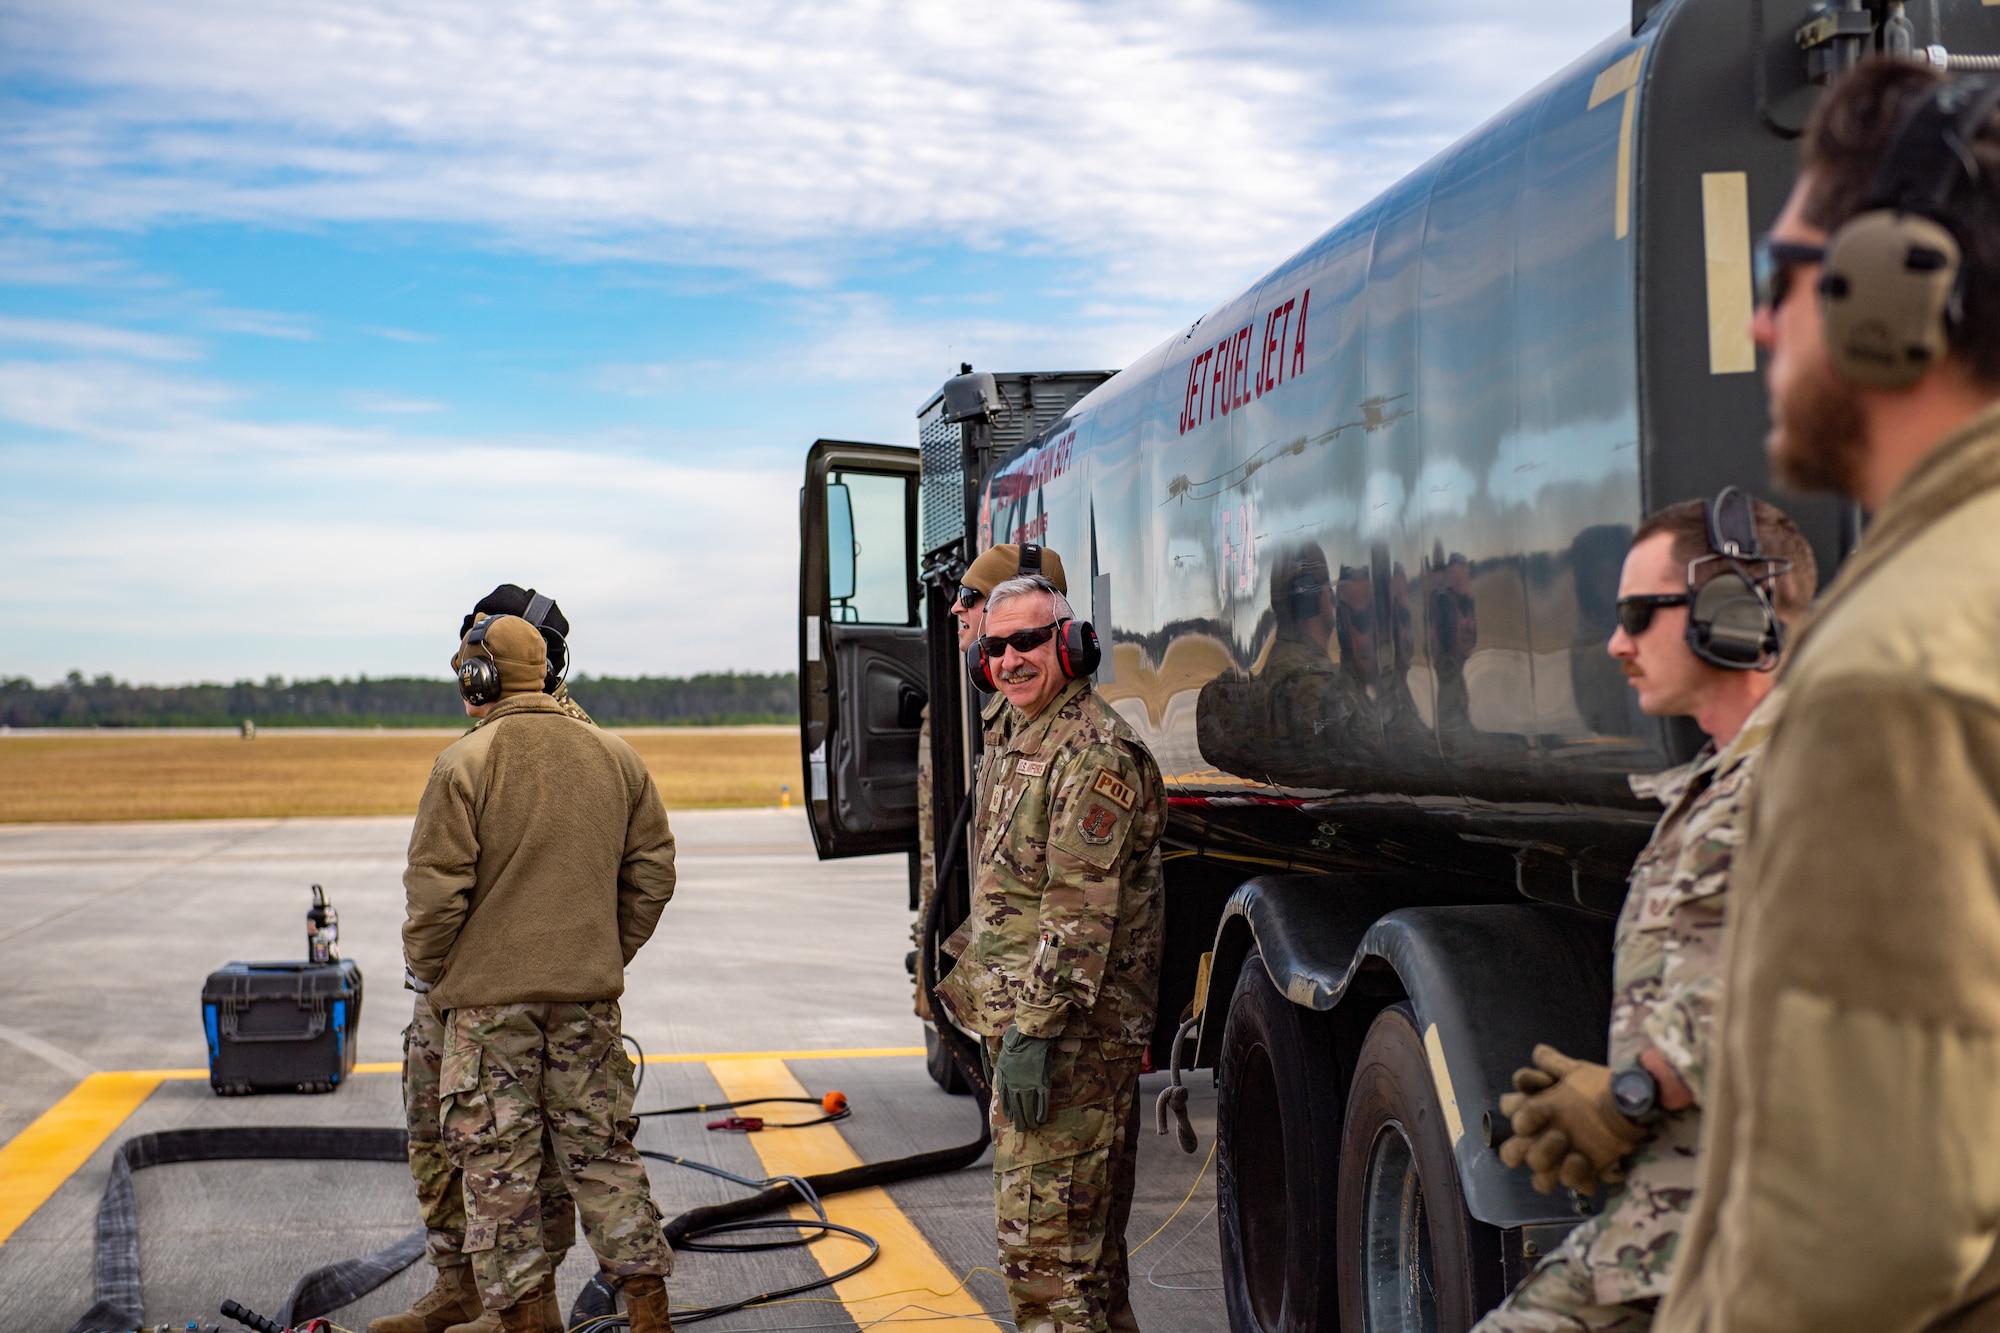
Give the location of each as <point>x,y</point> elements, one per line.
<point>107,931</point>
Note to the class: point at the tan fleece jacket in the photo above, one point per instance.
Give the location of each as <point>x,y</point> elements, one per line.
<point>1851,1161</point>
<point>540,861</point>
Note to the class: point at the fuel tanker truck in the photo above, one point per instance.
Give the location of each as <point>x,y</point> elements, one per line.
<point>1351,541</point>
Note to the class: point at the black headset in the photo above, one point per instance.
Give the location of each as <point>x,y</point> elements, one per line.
<point>1731,622</point>
<point>1303,592</point>
<point>1077,651</point>
<point>1892,292</point>
<point>479,677</point>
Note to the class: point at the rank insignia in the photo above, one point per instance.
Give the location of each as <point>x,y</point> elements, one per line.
<point>1097,824</point>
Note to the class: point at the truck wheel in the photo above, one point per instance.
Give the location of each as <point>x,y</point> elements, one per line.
<point>1277,1137</point>
<point>1412,1258</point>
<point>940,1066</point>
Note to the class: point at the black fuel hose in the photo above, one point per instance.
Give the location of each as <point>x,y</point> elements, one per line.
<point>964,1053</point>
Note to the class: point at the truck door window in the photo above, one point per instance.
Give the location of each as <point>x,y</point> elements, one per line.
<point>868,564</point>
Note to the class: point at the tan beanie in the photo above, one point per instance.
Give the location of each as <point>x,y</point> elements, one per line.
<point>997,564</point>
<point>519,649</point>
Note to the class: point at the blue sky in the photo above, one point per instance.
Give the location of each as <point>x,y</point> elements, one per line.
<point>319,319</point>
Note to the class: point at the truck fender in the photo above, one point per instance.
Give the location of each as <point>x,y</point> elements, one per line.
<point>1487,982</point>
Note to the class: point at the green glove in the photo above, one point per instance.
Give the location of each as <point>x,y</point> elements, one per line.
<point>1021,1077</point>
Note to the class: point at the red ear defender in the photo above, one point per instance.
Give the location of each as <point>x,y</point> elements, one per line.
<point>979,669</point>
<point>1076,648</point>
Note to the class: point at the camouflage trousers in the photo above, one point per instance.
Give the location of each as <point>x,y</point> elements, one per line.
<point>1609,1273</point>
<point>517,1077</point>
<point>926,854</point>
<point>1063,1193</point>
<point>440,1187</point>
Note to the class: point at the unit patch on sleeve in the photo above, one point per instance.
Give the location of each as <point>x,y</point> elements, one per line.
<point>1108,786</point>
<point>1098,823</point>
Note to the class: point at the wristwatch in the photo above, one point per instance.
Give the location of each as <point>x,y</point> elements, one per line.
<point>1636,1093</point>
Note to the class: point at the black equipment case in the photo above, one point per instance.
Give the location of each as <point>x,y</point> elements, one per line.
<point>281,1027</point>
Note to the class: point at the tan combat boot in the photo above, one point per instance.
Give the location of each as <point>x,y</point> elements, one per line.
<point>646,1304</point>
<point>523,1318</point>
<point>552,1315</point>
<point>452,1299</point>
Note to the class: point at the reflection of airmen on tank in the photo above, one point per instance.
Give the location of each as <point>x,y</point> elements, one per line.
<point>1403,729</point>
<point>1453,631</point>
<point>1300,711</point>
<point>995,565</point>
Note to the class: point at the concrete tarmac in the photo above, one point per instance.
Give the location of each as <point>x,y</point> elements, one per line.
<point>107,932</point>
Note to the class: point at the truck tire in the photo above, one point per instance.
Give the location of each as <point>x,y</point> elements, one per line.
<point>1277,1152</point>
<point>940,1066</point>
<point>1411,1257</point>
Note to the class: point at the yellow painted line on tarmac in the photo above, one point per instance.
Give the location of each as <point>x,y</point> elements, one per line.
<point>854,1053</point>
<point>909,1276</point>
<point>35,1162</point>
<point>693,1058</point>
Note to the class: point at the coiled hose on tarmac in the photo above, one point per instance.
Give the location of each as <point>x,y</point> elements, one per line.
<point>594,1311</point>
<point>116,1287</point>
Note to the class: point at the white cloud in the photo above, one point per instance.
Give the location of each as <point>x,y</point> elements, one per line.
<point>1186,143</point>
<point>393,404</point>
<point>76,336</point>
<point>302,549</point>
<point>259,323</point>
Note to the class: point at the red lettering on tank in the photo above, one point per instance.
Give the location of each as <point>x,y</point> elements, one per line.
<point>1299,344</point>
<point>1037,470</point>
<point>1282,317</point>
<point>1229,374</point>
<point>1219,382</point>
<point>1033,530</point>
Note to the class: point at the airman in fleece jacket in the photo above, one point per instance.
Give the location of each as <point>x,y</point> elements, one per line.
<point>540,861</point>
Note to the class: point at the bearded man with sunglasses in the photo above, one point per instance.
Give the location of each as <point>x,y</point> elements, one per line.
<point>1850,1173</point>
<point>1635,1122</point>
<point>1059,964</point>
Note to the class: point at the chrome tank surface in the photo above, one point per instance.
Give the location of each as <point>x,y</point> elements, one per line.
<point>1355,535</point>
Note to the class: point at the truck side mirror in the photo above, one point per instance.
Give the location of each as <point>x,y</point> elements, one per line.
<point>839,543</point>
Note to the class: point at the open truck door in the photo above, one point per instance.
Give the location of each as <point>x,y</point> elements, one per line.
<point>863,659</point>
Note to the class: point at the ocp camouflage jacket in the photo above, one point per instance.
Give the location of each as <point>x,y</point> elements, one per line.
<point>1065,932</point>
<point>1666,980</point>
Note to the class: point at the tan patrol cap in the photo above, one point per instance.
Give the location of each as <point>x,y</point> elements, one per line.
<point>997,564</point>
<point>517,648</point>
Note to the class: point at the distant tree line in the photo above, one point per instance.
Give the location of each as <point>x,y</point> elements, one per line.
<point>714,699</point>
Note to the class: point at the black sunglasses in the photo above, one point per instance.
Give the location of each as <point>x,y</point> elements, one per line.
<point>1772,263</point>
<point>1021,641</point>
<point>969,597</point>
<point>1636,613</point>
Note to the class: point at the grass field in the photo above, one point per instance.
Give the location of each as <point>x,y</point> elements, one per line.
<point>103,775</point>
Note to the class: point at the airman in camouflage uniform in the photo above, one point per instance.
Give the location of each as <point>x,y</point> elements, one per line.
<point>540,862</point>
<point>1609,1273</point>
<point>453,1302</point>
<point>1064,943</point>
<point>995,564</point>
